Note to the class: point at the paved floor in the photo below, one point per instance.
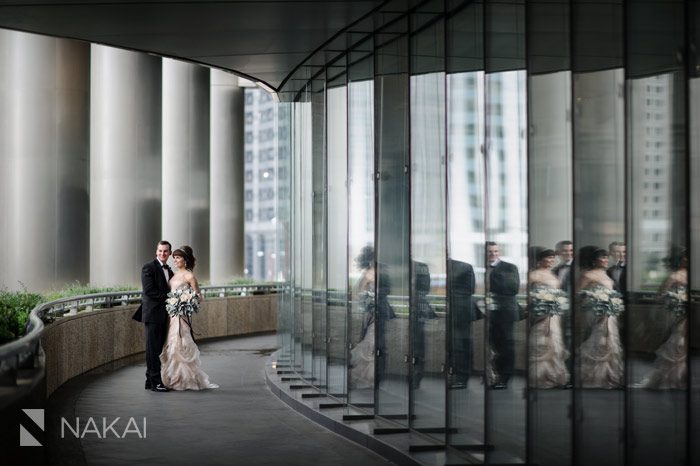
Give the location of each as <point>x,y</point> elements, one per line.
<point>241,423</point>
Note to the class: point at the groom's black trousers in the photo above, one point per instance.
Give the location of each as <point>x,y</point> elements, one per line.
<point>155,339</point>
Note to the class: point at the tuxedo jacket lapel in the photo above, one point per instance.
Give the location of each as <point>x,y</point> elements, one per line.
<point>160,275</point>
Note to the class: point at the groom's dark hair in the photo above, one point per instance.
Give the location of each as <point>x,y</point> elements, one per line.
<point>164,242</point>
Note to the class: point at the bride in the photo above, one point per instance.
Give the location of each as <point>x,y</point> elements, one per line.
<point>670,369</point>
<point>601,364</point>
<point>547,351</point>
<point>180,364</point>
<point>362,354</point>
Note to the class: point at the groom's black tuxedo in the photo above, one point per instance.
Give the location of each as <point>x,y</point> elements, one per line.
<point>154,316</point>
<point>155,291</point>
<point>504,283</point>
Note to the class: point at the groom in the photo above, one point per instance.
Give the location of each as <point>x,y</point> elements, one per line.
<point>154,279</point>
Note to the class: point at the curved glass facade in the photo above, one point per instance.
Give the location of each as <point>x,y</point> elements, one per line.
<point>494,226</point>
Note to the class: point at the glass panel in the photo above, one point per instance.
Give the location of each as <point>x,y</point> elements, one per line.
<point>465,272</point>
<point>318,199</point>
<point>694,196</point>
<point>360,259</point>
<point>393,285</point>
<point>694,305</point>
<point>304,241</point>
<point>656,280</point>
<point>465,226</point>
<point>598,221</point>
<point>506,234</point>
<point>337,238</point>
<point>428,248</point>
<point>549,277</point>
<point>599,209</point>
<point>283,226</point>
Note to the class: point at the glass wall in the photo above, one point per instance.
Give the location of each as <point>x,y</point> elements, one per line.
<point>361,262</point>
<point>428,249</point>
<point>337,235</point>
<point>495,226</point>
<point>392,314</point>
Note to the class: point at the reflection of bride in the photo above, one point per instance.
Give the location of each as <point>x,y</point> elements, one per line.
<point>601,353</point>
<point>547,351</point>
<point>670,369</point>
<point>362,354</point>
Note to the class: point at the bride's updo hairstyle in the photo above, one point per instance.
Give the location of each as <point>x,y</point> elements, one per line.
<point>186,253</point>
<point>589,255</point>
<point>537,254</point>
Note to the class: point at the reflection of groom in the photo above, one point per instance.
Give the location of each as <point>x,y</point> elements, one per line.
<point>154,279</point>
<point>503,285</point>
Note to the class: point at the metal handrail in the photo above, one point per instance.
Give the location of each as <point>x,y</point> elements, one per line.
<point>21,353</point>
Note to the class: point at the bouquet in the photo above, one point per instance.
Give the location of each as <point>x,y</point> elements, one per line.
<point>182,302</point>
<point>545,301</point>
<point>676,300</point>
<point>602,301</point>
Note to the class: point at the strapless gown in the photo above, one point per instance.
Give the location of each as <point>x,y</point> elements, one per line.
<point>601,355</point>
<point>180,365</point>
<point>670,367</point>
<point>547,353</point>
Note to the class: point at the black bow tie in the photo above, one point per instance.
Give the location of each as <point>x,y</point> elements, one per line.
<point>166,266</point>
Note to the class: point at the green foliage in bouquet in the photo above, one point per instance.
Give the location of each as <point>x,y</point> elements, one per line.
<point>601,301</point>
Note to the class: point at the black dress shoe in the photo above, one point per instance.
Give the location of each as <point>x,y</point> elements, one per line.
<point>160,388</point>
<point>148,385</point>
<point>499,386</point>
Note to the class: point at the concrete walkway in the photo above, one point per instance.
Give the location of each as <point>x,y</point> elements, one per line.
<point>241,423</point>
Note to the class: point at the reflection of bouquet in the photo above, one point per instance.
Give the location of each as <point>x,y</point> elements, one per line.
<point>545,301</point>
<point>676,300</point>
<point>182,302</point>
<point>601,301</point>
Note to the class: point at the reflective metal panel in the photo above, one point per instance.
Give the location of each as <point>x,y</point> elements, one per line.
<point>125,164</point>
<point>186,159</point>
<point>226,216</point>
<point>44,178</point>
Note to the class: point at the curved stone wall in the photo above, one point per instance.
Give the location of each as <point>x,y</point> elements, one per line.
<point>76,344</point>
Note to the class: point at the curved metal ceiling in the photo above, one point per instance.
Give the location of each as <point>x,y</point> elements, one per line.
<point>259,39</point>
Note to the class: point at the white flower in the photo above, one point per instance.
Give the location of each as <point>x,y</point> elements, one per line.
<point>185,297</point>
<point>172,301</point>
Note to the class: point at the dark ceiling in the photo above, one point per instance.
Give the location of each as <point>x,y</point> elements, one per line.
<point>264,40</point>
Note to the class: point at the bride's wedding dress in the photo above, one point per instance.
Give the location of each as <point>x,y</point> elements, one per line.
<point>670,370</point>
<point>601,354</point>
<point>180,363</point>
<point>548,353</point>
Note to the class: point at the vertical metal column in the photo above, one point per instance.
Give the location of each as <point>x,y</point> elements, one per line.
<point>226,182</point>
<point>125,164</point>
<point>186,159</point>
<point>44,115</point>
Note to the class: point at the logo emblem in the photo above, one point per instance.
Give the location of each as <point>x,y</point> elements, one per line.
<point>25,438</point>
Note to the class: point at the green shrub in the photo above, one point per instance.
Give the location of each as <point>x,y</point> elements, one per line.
<point>15,307</point>
<point>77,289</point>
<point>243,281</point>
